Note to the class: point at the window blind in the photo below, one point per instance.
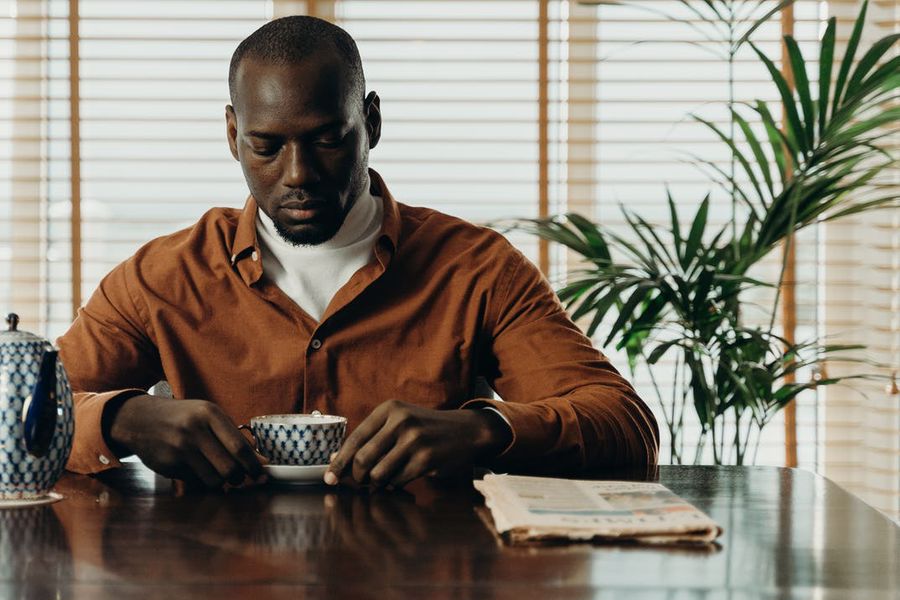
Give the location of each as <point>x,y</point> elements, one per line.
<point>861,289</point>
<point>458,81</point>
<point>34,159</point>
<point>648,69</point>
<point>461,83</point>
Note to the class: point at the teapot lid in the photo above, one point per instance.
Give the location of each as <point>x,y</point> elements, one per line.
<point>14,335</point>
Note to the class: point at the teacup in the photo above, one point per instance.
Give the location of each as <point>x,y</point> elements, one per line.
<point>298,439</point>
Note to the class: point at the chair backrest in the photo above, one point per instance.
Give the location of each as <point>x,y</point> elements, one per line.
<point>482,389</point>
<point>162,389</point>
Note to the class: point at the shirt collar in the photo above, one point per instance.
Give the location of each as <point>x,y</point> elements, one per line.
<point>390,226</point>
<point>245,255</point>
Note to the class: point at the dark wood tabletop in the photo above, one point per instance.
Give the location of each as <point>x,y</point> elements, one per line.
<point>129,533</point>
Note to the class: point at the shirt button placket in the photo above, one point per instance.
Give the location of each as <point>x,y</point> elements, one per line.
<point>310,393</point>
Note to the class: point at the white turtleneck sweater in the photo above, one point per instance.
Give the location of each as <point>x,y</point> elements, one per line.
<point>312,275</point>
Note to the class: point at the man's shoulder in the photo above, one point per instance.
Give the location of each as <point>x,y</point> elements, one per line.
<point>208,241</point>
<point>426,226</point>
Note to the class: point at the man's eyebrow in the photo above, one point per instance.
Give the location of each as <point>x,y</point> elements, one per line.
<point>337,124</point>
<point>262,134</point>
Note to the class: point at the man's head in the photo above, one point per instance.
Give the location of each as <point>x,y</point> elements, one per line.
<point>300,124</point>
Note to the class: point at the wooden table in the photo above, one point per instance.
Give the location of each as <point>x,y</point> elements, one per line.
<point>788,534</point>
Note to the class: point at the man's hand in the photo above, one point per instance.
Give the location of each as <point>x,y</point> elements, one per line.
<point>192,440</point>
<point>400,442</point>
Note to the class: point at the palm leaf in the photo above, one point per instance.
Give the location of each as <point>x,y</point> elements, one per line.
<point>801,84</point>
<point>640,293</point>
<point>826,60</point>
<point>729,184</point>
<point>870,59</point>
<point>761,160</point>
<point>697,228</point>
<point>795,131</point>
<point>591,233</point>
<point>760,21</point>
<point>601,308</point>
<point>735,151</point>
<point>852,44</point>
<point>676,228</point>
<point>777,140</point>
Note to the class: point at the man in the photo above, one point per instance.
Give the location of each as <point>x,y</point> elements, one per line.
<point>325,293</point>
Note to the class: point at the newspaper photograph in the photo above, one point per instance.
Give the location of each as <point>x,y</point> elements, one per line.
<point>539,508</point>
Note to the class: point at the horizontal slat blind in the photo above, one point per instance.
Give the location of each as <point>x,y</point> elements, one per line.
<point>153,92</point>
<point>635,137</point>
<point>458,83</point>
<point>862,303</point>
<point>34,154</point>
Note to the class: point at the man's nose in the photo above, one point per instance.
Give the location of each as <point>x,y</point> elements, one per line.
<point>300,170</point>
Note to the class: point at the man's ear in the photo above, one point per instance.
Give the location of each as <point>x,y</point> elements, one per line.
<point>372,108</point>
<point>231,130</point>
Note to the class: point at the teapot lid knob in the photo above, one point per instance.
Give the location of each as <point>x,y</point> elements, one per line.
<point>13,320</point>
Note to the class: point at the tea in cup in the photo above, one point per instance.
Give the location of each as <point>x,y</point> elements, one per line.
<point>298,439</point>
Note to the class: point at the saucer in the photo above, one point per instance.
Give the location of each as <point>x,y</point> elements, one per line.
<point>296,474</point>
<point>50,498</point>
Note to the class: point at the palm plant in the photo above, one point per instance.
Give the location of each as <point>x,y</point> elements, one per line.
<point>726,27</point>
<point>674,289</point>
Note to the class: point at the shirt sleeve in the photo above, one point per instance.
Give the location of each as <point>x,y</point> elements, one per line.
<point>568,407</point>
<point>107,353</point>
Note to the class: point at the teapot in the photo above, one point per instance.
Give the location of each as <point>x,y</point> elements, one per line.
<point>36,415</point>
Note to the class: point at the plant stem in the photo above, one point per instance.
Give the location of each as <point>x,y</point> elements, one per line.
<point>750,423</point>
<point>731,123</point>
<point>699,451</point>
<point>788,241</point>
<point>684,395</point>
<point>656,388</point>
<point>758,438</point>
<point>715,445</point>
<point>675,430</point>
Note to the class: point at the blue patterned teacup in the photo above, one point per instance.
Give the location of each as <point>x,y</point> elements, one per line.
<point>298,439</point>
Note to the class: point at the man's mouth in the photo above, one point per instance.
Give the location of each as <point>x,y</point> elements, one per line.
<point>301,212</point>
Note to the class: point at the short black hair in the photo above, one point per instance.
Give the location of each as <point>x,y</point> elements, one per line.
<point>289,40</point>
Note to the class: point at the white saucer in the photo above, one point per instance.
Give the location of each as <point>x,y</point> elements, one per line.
<point>50,498</point>
<point>296,474</point>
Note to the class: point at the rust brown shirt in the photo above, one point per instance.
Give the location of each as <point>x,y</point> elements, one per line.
<point>443,302</point>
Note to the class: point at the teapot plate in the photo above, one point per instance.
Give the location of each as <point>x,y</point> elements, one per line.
<point>29,502</point>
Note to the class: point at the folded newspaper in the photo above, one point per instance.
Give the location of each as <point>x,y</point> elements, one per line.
<point>539,509</point>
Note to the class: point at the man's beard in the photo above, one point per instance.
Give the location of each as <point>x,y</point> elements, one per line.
<point>313,234</point>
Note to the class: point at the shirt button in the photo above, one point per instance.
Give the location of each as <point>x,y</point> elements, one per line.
<point>255,256</point>
<point>103,459</point>
<point>316,344</point>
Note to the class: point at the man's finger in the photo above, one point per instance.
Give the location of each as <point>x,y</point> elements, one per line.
<point>418,465</point>
<point>236,445</point>
<point>354,441</point>
<point>202,470</point>
<point>372,453</point>
<point>391,463</point>
<point>221,459</point>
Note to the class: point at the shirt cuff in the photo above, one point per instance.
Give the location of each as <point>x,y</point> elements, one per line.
<point>493,405</point>
<point>531,425</point>
<point>508,424</point>
<point>90,453</point>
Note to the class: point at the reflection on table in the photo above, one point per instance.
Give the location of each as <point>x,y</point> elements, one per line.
<point>129,533</point>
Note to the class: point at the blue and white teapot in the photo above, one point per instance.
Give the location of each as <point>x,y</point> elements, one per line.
<point>36,416</point>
